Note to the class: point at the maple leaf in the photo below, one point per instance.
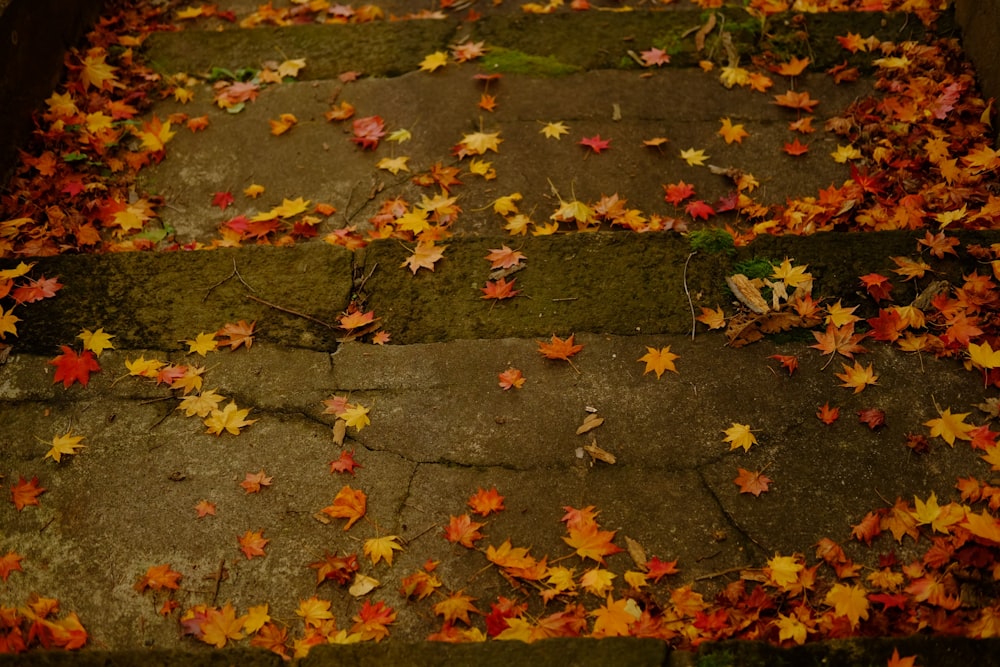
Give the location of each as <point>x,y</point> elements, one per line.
<point>202,344</point>
<point>367,131</point>
<point>694,158</point>
<point>230,419</point>
<point>424,256</point>
<point>896,661</point>
<point>849,601</point>
<point>155,134</point>
<point>752,482</point>
<point>96,72</point>
<point>26,493</point>
<point>393,165</point>
<point>699,209</point>
<point>36,290</point>
<point>857,377</point>
<point>485,502</point>
<point>873,418</point>
<point>590,542</point>
<point>72,367</point>
<point>478,143</point>
<point>984,356</point>
<point>795,148</point>
<point>345,463</point>
<point>487,102</point>
<point>159,577</point>
<point>463,530</point>
<point>826,414</point>
<point>597,581</point>
<point>512,378</point>
<point>381,548</point>
<point>878,286</point>
<point>252,543</point>
<point>595,143</point>
<point>356,319</point>
<point>796,100</point>
<point>96,341</point>
<point>202,405</point>
<point>339,569</point>
<point>557,348</point>
<point>221,625</point>
<point>793,67</point>
<point>740,435</point>
<point>10,563</point>
<point>372,620</point>
<point>456,607</point>
<point>282,124</point>
<point>790,627</point>
<point>254,482</point>
<point>499,289</point>
<point>233,335</point>
<point>504,258</point>
<point>615,617</point>
<point>419,585</point>
<point>348,504</point>
<point>845,153</point>
<point>713,319</point>
<point>554,130</point>
<point>467,51</point>
<point>64,444</point>
<point>840,340</point>
<point>659,360</point>
<point>7,322</point>
<point>732,133</point>
<point>204,508</point>
<point>950,426</point>
<point>222,199</point>
<point>910,269</point>
<point>356,416</point>
<point>789,362</point>
<point>434,61</point>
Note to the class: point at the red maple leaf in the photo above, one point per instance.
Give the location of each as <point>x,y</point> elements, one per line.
<point>699,209</point>
<point>826,414</point>
<point>339,569</point>
<point>222,199</point>
<point>595,143</point>
<point>878,286</point>
<point>872,417</point>
<point>71,367</point>
<point>499,289</point>
<point>656,568</point>
<point>754,482</point>
<point>367,132</point>
<point>36,290</point>
<point>345,463</point>
<point>372,620</point>
<point>887,326</point>
<point>463,530</point>
<point>675,193</point>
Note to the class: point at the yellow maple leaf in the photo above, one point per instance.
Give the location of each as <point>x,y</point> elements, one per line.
<point>790,627</point>
<point>256,617</point>
<point>230,419</point>
<point>434,61</point>
<point>96,72</point>
<point>839,316</point>
<point>202,344</point>
<point>659,361</point>
<point>289,208</point>
<point>202,405</point>
<point>381,548</point>
<point>393,165</point>
<point>7,322</point>
<point>713,319</point>
<point>456,607</point>
<point>253,191</point>
<point>857,377</point>
<point>740,435</point>
<point>597,581</point>
<point>291,67</point>
<point>64,444</point>
<point>845,153</point>
<point>350,504</point>
<point>96,341</point>
<point>783,571</point>
<point>507,204</point>
<point>569,211</point>
<point>356,416</point>
<point>732,133</point>
<point>424,256</point>
<point>937,517</point>
<point>950,426</point>
<point>695,158</point>
<point>155,134</point>
<point>792,276</point>
<point>554,130</point>
<point>143,367</point>
<point>314,611</point>
<point>561,578</point>
<point>849,601</point>
<point>19,270</point>
<point>734,76</point>
<point>483,168</point>
<point>478,143</point>
<point>399,136</point>
<point>282,124</point>
<point>222,625</point>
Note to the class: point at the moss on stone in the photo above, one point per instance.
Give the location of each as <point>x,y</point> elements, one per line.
<point>512,61</point>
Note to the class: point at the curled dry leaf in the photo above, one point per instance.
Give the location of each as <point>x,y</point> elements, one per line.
<point>590,422</point>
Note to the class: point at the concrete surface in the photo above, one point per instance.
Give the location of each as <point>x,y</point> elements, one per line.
<point>441,427</point>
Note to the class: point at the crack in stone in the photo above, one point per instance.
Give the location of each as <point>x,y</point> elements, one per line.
<point>730,519</point>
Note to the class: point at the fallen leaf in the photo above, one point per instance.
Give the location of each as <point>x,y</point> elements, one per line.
<point>381,548</point>
<point>485,502</point>
<point>96,341</point>
<point>64,444</point>
<point>857,377</point>
<point>463,530</point>
<point>595,143</point>
<point>659,361</point>
<point>230,419</point>
<point>694,158</point>
<point>752,482</point>
<point>252,543</point>
<point>557,348</point>
<point>732,133</point>
<point>434,61</point>
<point>599,454</point>
<point>345,463</point>
<point>233,335</point>
<point>740,435</point>
<point>348,504</point>
<point>512,378</point>
<point>254,482</point>
<point>590,422</point>
<point>72,367</point>
<point>950,427</point>
<point>159,577</point>
<point>554,130</point>
<point>26,493</point>
<point>9,563</point>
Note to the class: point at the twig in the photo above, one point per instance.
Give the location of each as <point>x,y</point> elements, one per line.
<point>235,273</point>
<point>687,292</point>
<point>218,580</point>
<point>566,298</point>
<point>292,312</point>
<point>364,279</point>
<point>721,573</point>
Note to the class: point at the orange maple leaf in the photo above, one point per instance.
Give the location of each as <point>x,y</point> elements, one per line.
<point>159,577</point>
<point>659,361</point>
<point>254,482</point>
<point>512,378</point>
<point>348,504</point>
<point>233,335</point>
<point>252,543</point>
<point>345,463</point>
<point>752,482</point>
<point>857,377</point>
<point>593,543</point>
<point>204,508</point>
<point>26,493</point>
<point>339,569</point>
<point>840,340</point>
<point>796,100</point>
<point>10,563</point>
<point>499,289</point>
<point>372,620</point>
<point>356,319</point>
<point>484,502</point>
<point>613,619</point>
<point>456,607</point>
<point>826,414</point>
<point>424,256</point>
<point>221,625</point>
<point>558,348</point>
<point>793,67</point>
<point>463,530</point>
<point>504,257</point>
